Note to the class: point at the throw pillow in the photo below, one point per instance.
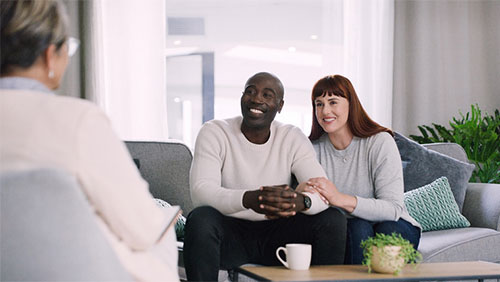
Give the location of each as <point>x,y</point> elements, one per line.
<point>422,166</point>
<point>434,207</point>
<point>181,221</point>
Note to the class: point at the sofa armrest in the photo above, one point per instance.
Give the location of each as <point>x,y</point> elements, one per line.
<point>482,205</point>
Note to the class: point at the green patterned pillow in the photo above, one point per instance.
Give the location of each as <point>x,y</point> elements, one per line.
<point>434,207</point>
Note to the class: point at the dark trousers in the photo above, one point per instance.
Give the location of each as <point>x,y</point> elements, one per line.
<point>360,229</point>
<point>214,241</point>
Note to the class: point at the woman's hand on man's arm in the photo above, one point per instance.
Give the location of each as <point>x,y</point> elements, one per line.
<point>329,193</point>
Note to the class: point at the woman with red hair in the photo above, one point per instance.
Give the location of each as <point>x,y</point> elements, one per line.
<point>362,162</point>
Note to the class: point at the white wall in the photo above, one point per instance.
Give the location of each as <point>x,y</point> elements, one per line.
<point>446,58</point>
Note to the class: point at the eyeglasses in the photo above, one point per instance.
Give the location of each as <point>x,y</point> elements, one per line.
<point>73,44</point>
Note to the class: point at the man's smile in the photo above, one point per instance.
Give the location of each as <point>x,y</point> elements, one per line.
<point>256,111</point>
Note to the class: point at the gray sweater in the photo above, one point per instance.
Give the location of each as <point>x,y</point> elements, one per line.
<point>369,169</point>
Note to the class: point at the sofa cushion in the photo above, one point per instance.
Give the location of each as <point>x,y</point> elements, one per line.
<point>179,224</point>
<point>461,244</point>
<point>481,205</point>
<point>422,166</point>
<point>165,166</point>
<point>434,207</point>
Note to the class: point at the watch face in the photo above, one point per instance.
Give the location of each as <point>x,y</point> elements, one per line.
<point>307,201</point>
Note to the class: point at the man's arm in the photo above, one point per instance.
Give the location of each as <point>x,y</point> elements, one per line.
<point>306,166</point>
<point>206,173</point>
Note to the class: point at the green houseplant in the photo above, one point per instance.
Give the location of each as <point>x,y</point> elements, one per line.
<point>388,253</point>
<point>479,136</point>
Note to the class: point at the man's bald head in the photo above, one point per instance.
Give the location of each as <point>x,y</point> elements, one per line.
<point>279,86</point>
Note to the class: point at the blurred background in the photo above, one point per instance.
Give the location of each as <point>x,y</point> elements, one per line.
<point>160,68</point>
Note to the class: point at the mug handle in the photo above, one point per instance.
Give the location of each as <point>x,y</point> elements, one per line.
<point>279,257</point>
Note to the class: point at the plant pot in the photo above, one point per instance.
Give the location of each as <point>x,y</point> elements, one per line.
<point>387,259</point>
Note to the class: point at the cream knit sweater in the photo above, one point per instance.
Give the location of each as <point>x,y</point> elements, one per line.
<point>40,129</point>
<point>226,165</point>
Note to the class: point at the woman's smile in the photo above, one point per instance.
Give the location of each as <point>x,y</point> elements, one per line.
<point>329,119</point>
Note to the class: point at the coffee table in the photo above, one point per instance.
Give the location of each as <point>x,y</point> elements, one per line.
<point>477,270</point>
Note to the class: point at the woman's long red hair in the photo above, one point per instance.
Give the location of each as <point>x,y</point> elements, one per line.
<point>360,124</point>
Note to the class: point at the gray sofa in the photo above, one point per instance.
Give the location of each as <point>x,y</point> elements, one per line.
<point>166,167</point>
<point>480,241</point>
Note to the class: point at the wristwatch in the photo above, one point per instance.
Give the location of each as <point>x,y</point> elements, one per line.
<point>307,202</point>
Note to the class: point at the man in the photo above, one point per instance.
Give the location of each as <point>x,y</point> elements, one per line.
<point>239,182</point>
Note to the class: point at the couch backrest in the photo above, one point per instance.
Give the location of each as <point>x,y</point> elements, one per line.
<point>165,166</point>
<point>453,150</point>
<point>49,231</point>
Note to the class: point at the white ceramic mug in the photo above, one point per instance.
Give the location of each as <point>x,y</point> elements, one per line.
<point>298,256</point>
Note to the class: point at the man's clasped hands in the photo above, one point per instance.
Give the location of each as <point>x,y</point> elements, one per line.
<point>278,201</point>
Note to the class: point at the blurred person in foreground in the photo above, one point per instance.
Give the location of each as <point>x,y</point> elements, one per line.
<point>40,129</point>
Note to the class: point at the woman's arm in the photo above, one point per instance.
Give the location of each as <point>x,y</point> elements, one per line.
<point>387,175</point>
<point>388,186</point>
<point>330,194</point>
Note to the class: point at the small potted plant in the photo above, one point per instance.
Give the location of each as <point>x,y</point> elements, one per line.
<point>388,253</point>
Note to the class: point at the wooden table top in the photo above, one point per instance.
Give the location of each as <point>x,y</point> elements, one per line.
<point>423,271</point>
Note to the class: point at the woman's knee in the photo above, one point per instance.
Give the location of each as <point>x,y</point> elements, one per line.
<point>389,227</point>
<point>356,224</point>
<point>359,228</point>
<point>402,227</point>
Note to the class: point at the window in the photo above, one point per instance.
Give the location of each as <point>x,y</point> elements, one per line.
<point>298,40</point>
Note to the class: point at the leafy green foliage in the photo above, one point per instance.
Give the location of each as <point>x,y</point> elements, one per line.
<point>380,240</point>
<point>478,135</point>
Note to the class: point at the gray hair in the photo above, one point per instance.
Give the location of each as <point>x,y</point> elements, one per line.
<point>28,27</point>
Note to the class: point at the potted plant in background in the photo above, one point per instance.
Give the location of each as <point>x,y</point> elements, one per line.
<point>388,253</point>
<point>479,136</point>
